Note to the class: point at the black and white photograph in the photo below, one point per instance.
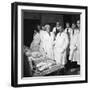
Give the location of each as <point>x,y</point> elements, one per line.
<point>49,44</point>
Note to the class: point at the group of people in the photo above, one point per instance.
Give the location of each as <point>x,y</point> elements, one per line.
<point>58,44</point>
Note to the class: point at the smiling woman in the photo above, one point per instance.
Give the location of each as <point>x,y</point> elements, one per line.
<point>43,44</point>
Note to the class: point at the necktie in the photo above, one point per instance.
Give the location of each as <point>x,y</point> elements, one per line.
<point>68,48</point>
<point>56,32</point>
<point>68,34</point>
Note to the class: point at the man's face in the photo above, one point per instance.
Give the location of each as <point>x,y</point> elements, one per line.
<point>67,25</point>
<point>61,29</point>
<point>78,24</point>
<point>57,24</point>
<point>73,26</point>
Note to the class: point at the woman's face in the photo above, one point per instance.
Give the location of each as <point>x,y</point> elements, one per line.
<point>48,28</point>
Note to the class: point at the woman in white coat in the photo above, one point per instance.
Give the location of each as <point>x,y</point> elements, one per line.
<point>47,41</point>
<point>35,45</point>
<point>60,47</point>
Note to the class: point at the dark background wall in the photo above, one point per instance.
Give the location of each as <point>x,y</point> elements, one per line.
<point>71,18</point>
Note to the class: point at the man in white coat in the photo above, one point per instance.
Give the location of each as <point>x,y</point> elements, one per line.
<point>72,42</point>
<point>75,45</point>
<point>68,30</point>
<point>60,47</point>
<point>47,41</point>
<point>56,29</point>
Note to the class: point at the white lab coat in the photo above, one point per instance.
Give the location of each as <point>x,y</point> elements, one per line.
<point>46,43</point>
<point>75,47</point>
<point>70,31</point>
<point>61,44</point>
